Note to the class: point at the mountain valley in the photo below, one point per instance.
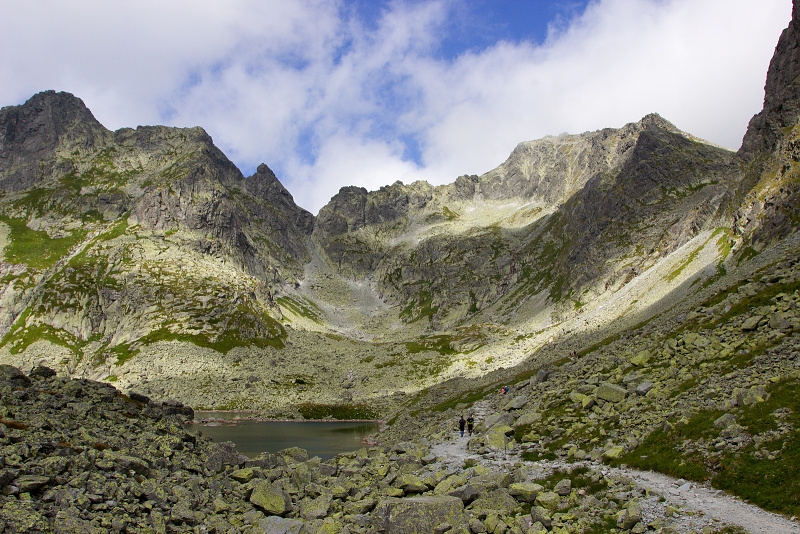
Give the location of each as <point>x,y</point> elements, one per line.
<point>636,289</point>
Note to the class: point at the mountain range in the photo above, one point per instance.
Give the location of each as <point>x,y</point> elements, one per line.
<point>145,258</point>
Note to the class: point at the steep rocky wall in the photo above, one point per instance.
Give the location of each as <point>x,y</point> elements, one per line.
<point>766,204</point>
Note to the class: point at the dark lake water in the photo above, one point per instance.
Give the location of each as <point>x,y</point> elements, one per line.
<point>323,439</point>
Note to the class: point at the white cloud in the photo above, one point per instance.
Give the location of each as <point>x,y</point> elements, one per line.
<point>700,64</point>
<point>345,160</point>
<point>327,99</point>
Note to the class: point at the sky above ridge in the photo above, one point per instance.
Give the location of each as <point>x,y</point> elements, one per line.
<point>330,93</point>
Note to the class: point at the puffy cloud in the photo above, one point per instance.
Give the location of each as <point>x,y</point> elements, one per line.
<point>700,64</point>
<point>345,160</point>
<point>329,96</point>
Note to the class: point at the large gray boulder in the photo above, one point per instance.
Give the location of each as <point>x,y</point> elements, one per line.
<point>12,375</point>
<point>420,514</point>
<point>224,455</point>
<point>277,525</point>
<point>611,392</point>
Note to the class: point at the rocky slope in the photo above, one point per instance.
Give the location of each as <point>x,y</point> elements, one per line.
<point>79,456</point>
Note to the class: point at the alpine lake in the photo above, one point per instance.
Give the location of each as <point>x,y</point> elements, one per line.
<point>325,439</point>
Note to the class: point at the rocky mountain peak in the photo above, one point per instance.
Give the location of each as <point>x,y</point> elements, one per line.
<point>770,150</point>
<point>31,134</point>
<point>265,185</point>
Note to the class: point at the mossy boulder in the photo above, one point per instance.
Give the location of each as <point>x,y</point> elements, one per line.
<point>548,500</point>
<point>525,491</point>
<point>271,499</point>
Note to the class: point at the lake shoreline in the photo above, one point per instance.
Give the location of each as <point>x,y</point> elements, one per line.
<point>212,419</point>
<point>252,437</point>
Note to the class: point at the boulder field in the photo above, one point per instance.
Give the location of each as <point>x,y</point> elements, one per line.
<point>78,456</point>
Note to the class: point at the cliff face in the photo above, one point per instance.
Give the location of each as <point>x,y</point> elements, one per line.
<point>766,204</point>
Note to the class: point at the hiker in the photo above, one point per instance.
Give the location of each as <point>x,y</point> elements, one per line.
<point>470,423</point>
<point>461,424</point>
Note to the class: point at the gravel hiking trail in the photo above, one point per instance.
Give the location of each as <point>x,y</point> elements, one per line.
<point>698,506</point>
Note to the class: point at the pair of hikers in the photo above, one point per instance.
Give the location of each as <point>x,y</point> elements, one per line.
<point>469,423</point>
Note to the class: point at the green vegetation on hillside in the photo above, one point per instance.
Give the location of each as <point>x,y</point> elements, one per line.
<point>34,247</point>
<point>762,469</point>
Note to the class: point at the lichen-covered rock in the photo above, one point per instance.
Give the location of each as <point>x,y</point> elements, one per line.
<point>527,418</point>
<point>611,393</point>
<point>466,493</point>
<point>318,508</point>
<point>614,452</point>
<point>419,514</point>
<point>224,455</point>
<point>541,515</point>
<point>525,491</point>
<point>499,437</point>
<point>631,515</point>
<point>410,483</point>
<point>271,499</point>
<point>498,499</point>
<point>564,487</point>
<point>641,358</point>
<point>548,500</point>
<point>277,525</point>
<point>21,516</point>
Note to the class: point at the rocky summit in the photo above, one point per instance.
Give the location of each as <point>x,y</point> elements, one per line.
<point>632,292</point>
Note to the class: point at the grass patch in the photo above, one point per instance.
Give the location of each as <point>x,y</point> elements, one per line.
<point>771,484</point>
<point>687,451</point>
<point>223,343</point>
<point>466,397</point>
<point>440,344</point>
<point>746,254</point>
<point>22,338</point>
<point>119,228</point>
<point>306,308</point>
<point>449,214</point>
<point>35,248</point>
<point>531,456</point>
<point>679,268</point>
<point>419,309</point>
<point>425,368</point>
<point>663,451</point>
<point>603,527</point>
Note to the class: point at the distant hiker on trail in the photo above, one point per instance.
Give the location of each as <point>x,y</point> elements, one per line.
<point>470,423</point>
<point>461,424</point>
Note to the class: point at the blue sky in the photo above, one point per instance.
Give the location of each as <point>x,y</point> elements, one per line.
<point>331,93</point>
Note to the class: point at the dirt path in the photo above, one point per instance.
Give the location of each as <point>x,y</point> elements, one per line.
<point>691,506</point>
